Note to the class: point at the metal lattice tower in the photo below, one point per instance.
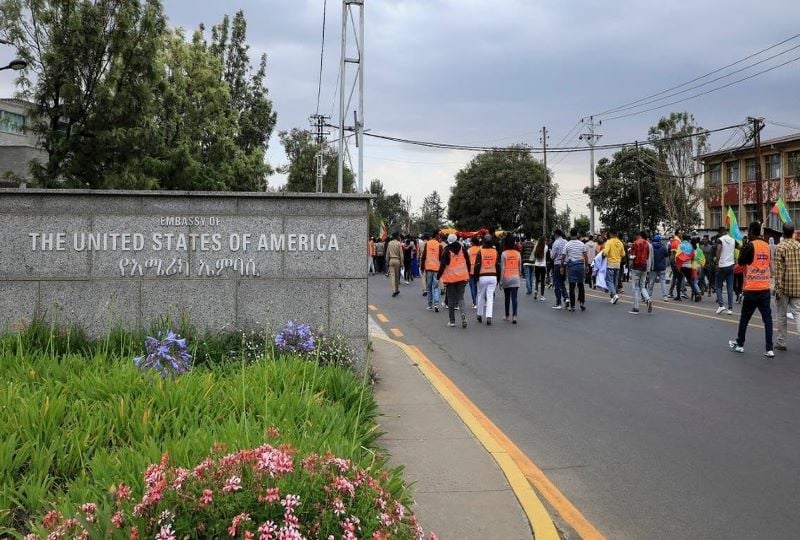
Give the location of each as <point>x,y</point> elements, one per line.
<point>318,123</point>
<point>591,139</point>
<point>348,20</point>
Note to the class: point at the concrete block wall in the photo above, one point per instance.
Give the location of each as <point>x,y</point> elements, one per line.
<point>102,288</point>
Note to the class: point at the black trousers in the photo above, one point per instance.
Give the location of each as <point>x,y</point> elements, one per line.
<point>756,300</point>
<point>540,273</point>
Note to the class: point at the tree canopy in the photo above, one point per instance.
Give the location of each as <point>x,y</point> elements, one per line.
<point>125,102</point>
<point>389,208</point>
<point>503,189</point>
<point>432,213</point>
<point>302,149</point>
<point>616,195</point>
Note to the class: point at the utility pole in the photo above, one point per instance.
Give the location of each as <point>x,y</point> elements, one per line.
<point>543,140</point>
<point>344,102</point>
<point>591,139</point>
<point>758,125</point>
<point>318,123</point>
<point>639,188</point>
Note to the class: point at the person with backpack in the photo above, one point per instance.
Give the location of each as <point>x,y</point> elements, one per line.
<point>640,261</point>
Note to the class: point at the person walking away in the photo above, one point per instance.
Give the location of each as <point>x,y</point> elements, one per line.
<point>408,248</point>
<point>591,245</point>
<point>575,261</point>
<point>614,251</point>
<point>599,271</point>
<point>556,253</point>
<point>371,257</point>
<point>380,257</point>
<point>510,270</point>
<point>709,283</point>
<point>787,283</point>
<point>724,269</point>
<point>431,263</point>
<point>684,263</point>
<point>454,273</point>
<point>658,268</point>
<point>528,246</point>
<point>674,247</point>
<point>487,270</point>
<point>540,267</point>
<point>394,256</point>
<point>640,261</point>
<point>755,257</point>
<point>423,283</point>
<point>472,252</point>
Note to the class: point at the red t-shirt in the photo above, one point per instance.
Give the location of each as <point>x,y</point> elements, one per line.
<point>640,252</point>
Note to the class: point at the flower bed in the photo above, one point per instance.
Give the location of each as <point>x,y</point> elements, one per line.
<point>80,430</point>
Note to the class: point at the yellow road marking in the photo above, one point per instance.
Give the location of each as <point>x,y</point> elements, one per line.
<point>516,466</point>
<point>396,332</point>
<point>372,308</point>
<point>382,318</point>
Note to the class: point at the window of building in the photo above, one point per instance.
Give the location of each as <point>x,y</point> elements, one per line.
<point>751,214</point>
<point>715,174</point>
<point>716,218</point>
<point>793,162</point>
<point>773,165</point>
<point>794,211</point>
<point>732,172</point>
<point>750,165</point>
<point>12,123</point>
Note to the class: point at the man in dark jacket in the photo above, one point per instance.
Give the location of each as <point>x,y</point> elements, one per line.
<point>454,272</point>
<point>659,267</point>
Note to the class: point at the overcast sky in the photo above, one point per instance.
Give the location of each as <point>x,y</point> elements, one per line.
<point>495,72</point>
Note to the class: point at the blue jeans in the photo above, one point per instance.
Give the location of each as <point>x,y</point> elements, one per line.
<point>756,300</point>
<point>639,277</point>
<point>433,290</point>
<point>725,274</point>
<point>473,289</point>
<point>528,268</point>
<point>558,284</point>
<point>662,279</point>
<point>612,274</point>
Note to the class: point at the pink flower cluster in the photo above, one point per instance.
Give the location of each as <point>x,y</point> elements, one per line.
<point>250,494</point>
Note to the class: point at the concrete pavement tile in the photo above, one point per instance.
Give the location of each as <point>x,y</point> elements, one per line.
<point>442,465</point>
<point>472,516</point>
<point>421,421</point>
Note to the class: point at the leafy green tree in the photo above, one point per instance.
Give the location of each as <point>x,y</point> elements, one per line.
<point>563,220</point>
<point>389,208</point>
<point>93,69</point>
<point>679,141</point>
<point>432,213</point>
<point>302,149</point>
<point>583,224</point>
<point>616,195</point>
<point>502,189</point>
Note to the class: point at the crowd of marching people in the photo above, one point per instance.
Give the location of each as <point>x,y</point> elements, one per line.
<point>566,265</point>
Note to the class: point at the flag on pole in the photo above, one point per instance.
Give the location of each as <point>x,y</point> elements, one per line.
<point>733,225</point>
<point>384,231</point>
<point>781,211</point>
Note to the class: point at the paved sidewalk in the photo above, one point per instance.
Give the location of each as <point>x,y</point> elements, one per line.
<point>460,491</point>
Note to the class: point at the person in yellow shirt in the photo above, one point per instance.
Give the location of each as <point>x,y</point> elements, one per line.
<point>613,251</point>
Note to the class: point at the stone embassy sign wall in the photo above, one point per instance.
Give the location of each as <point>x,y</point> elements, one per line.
<point>101,259</point>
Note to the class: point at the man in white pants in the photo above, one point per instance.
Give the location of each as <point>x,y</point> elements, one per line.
<point>487,270</point>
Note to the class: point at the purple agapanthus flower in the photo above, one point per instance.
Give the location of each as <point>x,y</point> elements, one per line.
<point>296,338</point>
<point>168,356</point>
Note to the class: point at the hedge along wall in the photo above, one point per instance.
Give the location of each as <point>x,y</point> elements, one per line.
<point>228,261</point>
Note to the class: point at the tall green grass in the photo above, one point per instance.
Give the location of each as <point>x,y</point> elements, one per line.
<point>78,417</point>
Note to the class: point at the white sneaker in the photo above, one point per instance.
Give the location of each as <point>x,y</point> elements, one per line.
<point>735,347</point>
<point>557,307</point>
<point>720,309</point>
<point>429,308</point>
<point>790,315</point>
<point>451,324</point>
<point>770,354</point>
<point>615,299</point>
<point>542,299</point>
<point>729,312</point>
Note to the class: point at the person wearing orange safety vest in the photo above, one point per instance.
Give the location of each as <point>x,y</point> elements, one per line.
<point>454,273</point>
<point>430,264</point>
<point>755,256</point>
<point>487,271</point>
<point>472,252</point>
<point>510,272</point>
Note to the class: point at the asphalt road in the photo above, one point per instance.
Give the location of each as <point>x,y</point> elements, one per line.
<point>647,423</point>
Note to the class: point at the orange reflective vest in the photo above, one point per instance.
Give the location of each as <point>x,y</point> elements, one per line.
<point>371,248</point>
<point>511,267</point>
<point>472,252</point>
<point>456,271</point>
<point>488,262</point>
<point>432,248</point>
<point>756,277</point>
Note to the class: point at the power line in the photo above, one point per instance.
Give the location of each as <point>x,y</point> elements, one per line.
<point>706,92</point>
<point>322,51</point>
<point>695,87</point>
<point>698,78</point>
<point>789,126</point>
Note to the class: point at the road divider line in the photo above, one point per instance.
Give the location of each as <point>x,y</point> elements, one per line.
<point>382,318</point>
<point>504,452</point>
<point>396,332</point>
<point>371,307</point>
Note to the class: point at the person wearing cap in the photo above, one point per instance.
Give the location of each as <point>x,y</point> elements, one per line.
<point>658,267</point>
<point>755,257</point>
<point>430,263</point>
<point>487,270</point>
<point>394,256</point>
<point>454,272</point>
